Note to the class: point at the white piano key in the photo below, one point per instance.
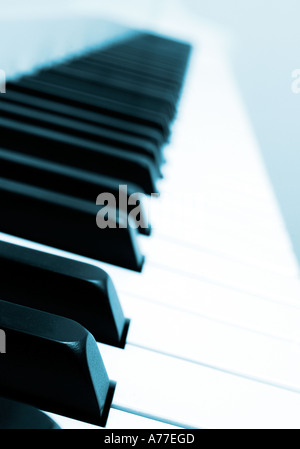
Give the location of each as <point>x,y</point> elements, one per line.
<point>222,209</point>
<point>186,208</point>
<point>218,199</point>
<point>208,342</point>
<point>181,208</point>
<point>222,271</point>
<point>224,231</point>
<point>71,424</point>
<point>196,396</point>
<point>234,248</point>
<point>121,420</point>
<point>226,156</point>
<point>166,286</point>
<point>193,294</point>
<point>170,221</point>
<point>214,302</point>
<point>251,184</point>
<point>117,420</point>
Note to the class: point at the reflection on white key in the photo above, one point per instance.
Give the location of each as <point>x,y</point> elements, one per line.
<point>234,248</point>
<point>216,303</point>
<point>222,271</point>
<point>193,396</point>
<point>211,343</point>
<point>116,420</point>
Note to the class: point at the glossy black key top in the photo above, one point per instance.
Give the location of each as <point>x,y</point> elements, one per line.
<point>85,83</point>
<point>17,416</point>
<point>91,83</point>
<point>65,149</point>
<point>94,118</point>
<point>53,364</point>
<point>161,65</point>
<point>64,222</point>
<point>139,64</point>
<point>71,181</point>
<point>95,134</point>
<point>90,102</point>
<point>66,287</point>
<point>161,46</point>
<point>123,77</point>
<point>116,71</point>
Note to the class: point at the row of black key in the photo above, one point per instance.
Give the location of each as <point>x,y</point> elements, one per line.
<point>32,132</point>
<point>68,134</point>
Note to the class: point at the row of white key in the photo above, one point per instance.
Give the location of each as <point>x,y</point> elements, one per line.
<point>166,392</point>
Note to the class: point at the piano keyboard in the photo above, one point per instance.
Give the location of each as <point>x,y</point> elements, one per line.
<point>196,320</point>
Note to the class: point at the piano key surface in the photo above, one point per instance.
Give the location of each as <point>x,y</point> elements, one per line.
<point>193,396</point>
<point>214,341</point>
<point>117,420</point>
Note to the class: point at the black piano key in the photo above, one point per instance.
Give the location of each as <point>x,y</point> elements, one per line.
<point>40,205</point>
<point>159,53</point>
<point>53,363</point>
<point>135,75</point>
<point>106,94</point>
<point>136,65</point>
<point>71,181</point>
<point>17,416</point>
<point>158,44</point>
<point>76,128</point>
<point>169,57</point>
<point>117,71</point>
<point>98,119</point>
<point>163,65</point>
<point>63,148</point>
<point>79,291</point>
<point>122,75</point>
<point>124,91</point>
<point>67,223</point>
<point>91,102</point>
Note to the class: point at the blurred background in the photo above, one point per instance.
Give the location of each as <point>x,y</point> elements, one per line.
<point>264,39</point>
